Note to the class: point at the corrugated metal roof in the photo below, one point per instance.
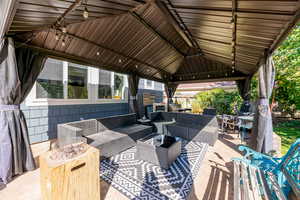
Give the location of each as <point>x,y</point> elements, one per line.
<point>164,40</point>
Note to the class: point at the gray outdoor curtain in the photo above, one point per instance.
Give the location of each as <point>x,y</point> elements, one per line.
<point>170,89</point>
<point>244,87</point>
<point>263,129</point>
<point>133,83</point>
<point>18,71</point>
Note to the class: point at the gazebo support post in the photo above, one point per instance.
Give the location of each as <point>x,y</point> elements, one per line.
<point>170,89</point>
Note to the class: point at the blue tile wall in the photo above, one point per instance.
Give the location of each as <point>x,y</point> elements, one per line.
<point>42,120</point>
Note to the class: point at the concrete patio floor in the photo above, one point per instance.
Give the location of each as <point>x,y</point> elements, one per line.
<point>214,180</point>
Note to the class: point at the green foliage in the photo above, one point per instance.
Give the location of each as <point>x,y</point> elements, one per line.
<point>287,63</point>
<point>223,101</point>
<point>196,108</point>
<point>289,132</point>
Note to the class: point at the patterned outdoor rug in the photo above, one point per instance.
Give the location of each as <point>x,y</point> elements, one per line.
<point>141,180</point>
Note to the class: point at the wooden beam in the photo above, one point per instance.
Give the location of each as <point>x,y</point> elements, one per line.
<point>170,19</point>
<point>7,12</point>
<point>286,30</point>
<point>150,28</point>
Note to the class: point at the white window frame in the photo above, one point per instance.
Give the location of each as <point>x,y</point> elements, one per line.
<point>93,78</point>
<point>148,87</point>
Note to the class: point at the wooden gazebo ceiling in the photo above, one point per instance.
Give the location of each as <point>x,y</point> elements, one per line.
<point>163,40</point>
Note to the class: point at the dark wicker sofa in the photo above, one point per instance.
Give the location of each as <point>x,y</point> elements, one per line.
<point>203,128</point>
<point>111,135</point>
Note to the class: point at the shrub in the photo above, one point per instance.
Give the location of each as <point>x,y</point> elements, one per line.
<point>223,101</point>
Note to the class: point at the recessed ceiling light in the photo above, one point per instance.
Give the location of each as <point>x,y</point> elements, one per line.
<point>119,60</point>
<point>98,53</point>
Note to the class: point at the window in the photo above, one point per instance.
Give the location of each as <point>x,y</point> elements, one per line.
<point>63,83</point>
<point>50,81</point>
<point>77,83</point>
<point>104,87</point>
<point>118,86</point>
<point>148,84</point>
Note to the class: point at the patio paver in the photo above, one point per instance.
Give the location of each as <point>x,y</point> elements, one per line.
<point>214,180</point>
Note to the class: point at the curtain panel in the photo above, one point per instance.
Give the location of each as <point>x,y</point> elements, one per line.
<point>244,87</point>
<point>133,84</point>
<point>263,128</point>
<point>170,89</point>
<point>19,69</point>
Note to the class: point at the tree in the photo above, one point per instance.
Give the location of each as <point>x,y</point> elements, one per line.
<point>287,63</point>
<point>223,101</point>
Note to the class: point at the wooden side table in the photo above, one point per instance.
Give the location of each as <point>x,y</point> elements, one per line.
<point>73,179</point>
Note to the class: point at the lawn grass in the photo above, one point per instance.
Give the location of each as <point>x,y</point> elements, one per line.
<point>289,132</point>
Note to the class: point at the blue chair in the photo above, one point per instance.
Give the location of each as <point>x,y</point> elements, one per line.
<point>286,169</point>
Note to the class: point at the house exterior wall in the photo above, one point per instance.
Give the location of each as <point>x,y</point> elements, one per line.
<point>42,121</point>
<point>48,103</point>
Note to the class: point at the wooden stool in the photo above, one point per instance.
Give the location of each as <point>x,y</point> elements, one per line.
<point>73,179</point>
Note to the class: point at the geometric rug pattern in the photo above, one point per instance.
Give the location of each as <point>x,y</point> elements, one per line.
<point>141,180</point>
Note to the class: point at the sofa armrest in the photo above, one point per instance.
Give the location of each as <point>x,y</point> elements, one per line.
<point>154,116</point>
<point>67,134</point>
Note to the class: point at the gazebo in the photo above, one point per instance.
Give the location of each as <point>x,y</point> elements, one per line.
<point>169,41</point>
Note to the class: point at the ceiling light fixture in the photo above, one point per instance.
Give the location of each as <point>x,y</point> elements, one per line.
<point>233,43</point>
<point>85,13</point>
<point>63,43</point>
<point>120,61</point>
<point>56,35</point>
<point>64,29</point>
<point>98,53</point>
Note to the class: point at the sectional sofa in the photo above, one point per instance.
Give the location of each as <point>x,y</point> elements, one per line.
<point>111,135</point>
<point>202,128</point>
